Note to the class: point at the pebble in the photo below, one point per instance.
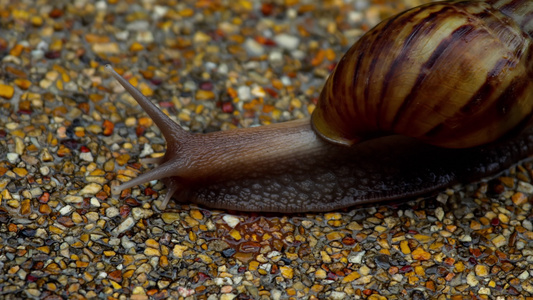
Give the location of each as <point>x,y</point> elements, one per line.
<point>6,91</point>
<point>499,241</point>
<point>287,41</point>
<point>125,225</point>
<point>169,217</point>
<point>525,187</point>
<point>481,270</point>
<point>112,212</point>
<point>231,220</point>
<point>253,47</point>
<point>90,189</point>
<point>12,157</point>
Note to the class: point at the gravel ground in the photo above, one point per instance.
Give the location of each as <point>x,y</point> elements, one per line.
<point>68,132</point>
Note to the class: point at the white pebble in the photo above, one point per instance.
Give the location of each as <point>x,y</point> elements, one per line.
<point>275,294</point>
<point>525,187</point>
<point>86,156</point>
<point>287,41</point>
<point>112,212</point>
<point>275,57</point>
<point>357,258</point>
<point>127,243</point>
<point>524,275</point>
<point>439,213</point>
<point>286,80</point>
<point>465,238</point>
<point>232,221</point>
<point>141,213</point>
<point>160,11</point>
<point>95,202</point>
<point>145,37</point>
<point>527,225</point>
<point>147,150</point>
<point>73,199</point>
<point>244,93</point>
<point>223,281</point>
<point>66,210</point>
<point>253,47</point>
<point>12,157</point>
<point>101,5</point>
<point>124,226</point>
<point>355,17</point>
<point>471,279</point>
<point>338,295</point>
<point>223,69</point>
<point>36,192</point>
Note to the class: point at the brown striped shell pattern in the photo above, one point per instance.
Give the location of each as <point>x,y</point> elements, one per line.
<point>454,74</point>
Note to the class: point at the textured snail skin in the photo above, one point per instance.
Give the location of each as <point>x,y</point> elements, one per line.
<point>331,162</point>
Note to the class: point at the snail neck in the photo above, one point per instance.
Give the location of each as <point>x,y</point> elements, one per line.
<point>241,152</point>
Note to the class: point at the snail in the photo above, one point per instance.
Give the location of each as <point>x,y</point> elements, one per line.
<point>437,95</point>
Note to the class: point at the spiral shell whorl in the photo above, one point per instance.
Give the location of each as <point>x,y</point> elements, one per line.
<point>521,11</point>
<point>454,74</point>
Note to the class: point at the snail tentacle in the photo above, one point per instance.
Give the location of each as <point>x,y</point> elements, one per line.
<point>164,123</point>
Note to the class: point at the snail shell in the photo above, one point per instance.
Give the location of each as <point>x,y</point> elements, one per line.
<point>452,74</point>
<point>444,75</point>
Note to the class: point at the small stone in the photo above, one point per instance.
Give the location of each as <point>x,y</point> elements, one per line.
<point>170,217</point>
<point>45,156</point>
<point>204,258</point>
<point>286,41</point>
<point>124,226</point>
<point>524,187</point>
<point>519,198</point>
<point>244,93</point>
<point>12,157</point>
<point>178,250</point>
<point>357,258</point>
<point>204,95</point>
<point>253,47</point>
<point>90,189</point>
<point>112,212</point>
<point>21,172</point>
<point>235,234</point>
<point>196,214</point>
<point>152,252</point>
<point>33,293</point>
<point>287,272</point>
<point>66,210</point>
<point>499,241</point>
<point>86,156</point>
<point>404,247</point>
<point>524,275</point>
<point>420,254</point>
<point>6,91</point>
<point>73,199</point>
<point>481,270</point>
<point>108,127</point>
<point>106,48</point>
<point>351,277</point>
<point>335,295</point>
<point>227,296</point>
<point>231,220</point>
<point>141,213</point>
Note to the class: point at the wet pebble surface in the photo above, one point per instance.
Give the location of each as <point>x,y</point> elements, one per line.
<point>68,133</point>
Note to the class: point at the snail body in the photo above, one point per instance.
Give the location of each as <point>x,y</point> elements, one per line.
<point>436,95</point>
